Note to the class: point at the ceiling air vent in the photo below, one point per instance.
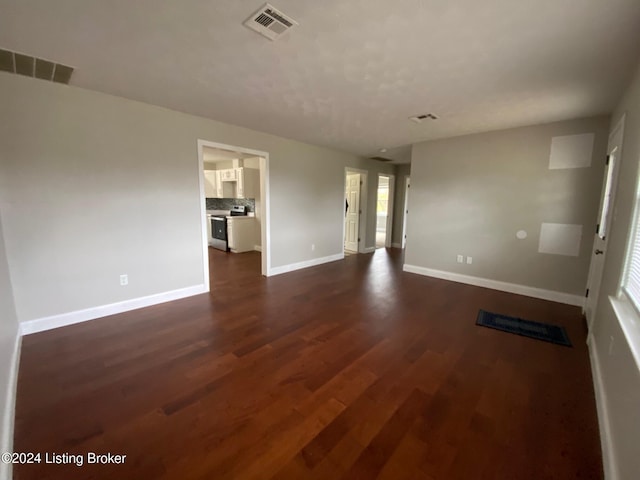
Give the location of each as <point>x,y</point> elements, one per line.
<point>29,66</point>
<point>381,159</point>
<point>270,22</point>
<point>423,117</point>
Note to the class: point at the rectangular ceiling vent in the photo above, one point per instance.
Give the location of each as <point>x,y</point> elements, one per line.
<point>381,159</point>
<point>423,117</point>
<point>270,22</point>
<point>29,66</point>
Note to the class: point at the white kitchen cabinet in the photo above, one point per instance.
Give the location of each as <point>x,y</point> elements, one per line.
<point>211,184</point>
<point>232,183</point>
<point>241,232</point>
<point>229,174</point>
<point>247,183</point>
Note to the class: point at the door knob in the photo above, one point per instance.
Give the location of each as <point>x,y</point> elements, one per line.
<point>599,252</point>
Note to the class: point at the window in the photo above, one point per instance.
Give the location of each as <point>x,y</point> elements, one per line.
<point>631,278</point>
<point>627,304</point>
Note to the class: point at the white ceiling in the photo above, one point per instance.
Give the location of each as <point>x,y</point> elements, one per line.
<point>353,71</point>
<point>213,155</point>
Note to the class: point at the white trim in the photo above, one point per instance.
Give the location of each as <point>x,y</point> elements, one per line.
<point>78,316</point>
<point>8,416</point>
<point>368,249</point>
<point>265,213</point>
<point>629,322</point>
<point>608,458</point>
<point>203,217</point>
<point>390,208</point>
<point>257,248</point>
<point>396,245</point>
<point>525,290</point>
<point>225,146</point>
<point>388,228</point>
<point>307,263</point>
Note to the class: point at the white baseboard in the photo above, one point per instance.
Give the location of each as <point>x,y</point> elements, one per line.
<point>608,460</point>
<point>534,292</point>
<point>369,249</point>
<point>307,263</point>
<point>257,248</point>
<point>8,416</point>
<point>396,245</point>
<point>78,316</point>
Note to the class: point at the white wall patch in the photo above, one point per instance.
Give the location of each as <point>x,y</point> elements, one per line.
<point>560,239</point>
<point>571,151</point>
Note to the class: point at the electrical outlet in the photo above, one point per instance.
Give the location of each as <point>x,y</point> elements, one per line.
<point>313,247</point>
<point>124,280</point>
<point>460,259</point>
<point>469,260</point>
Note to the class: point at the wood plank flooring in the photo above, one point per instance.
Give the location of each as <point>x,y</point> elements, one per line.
<point>349,370</point>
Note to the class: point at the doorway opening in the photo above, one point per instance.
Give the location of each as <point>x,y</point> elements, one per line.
<point>234,200</point>
<point>384,211</point>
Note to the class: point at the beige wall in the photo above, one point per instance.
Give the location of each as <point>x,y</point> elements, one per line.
<point>402,171</point>
<point>96,186</point>
<point>619,371</point>
<point>471,194</point>
<point>8,340</point>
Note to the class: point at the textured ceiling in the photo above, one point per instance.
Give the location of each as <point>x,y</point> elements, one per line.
<point>353,71</point>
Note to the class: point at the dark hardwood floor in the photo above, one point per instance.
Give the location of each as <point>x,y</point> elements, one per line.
<point>349,370</point>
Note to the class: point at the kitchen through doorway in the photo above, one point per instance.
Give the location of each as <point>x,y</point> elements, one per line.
<point>233,202</point>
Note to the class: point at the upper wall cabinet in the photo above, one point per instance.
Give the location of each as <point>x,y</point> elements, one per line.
<point>210,190</point>
<point>229,174</point>
<point>232,183</point>
<point>248,183</point>
<point>213,184</point>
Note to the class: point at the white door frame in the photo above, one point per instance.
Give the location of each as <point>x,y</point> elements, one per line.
<point>265,230</point>
<point>593,283</point>
<point>362,227</point>
<point>388,233</point>
<point>407,182</point>
<point>392,196</point>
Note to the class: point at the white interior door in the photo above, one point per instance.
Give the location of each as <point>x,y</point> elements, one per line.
<point>604,221</point>
<point>405,212</point>
<point>352,217</point>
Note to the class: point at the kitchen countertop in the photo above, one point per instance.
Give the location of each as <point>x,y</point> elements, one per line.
<point>218,213</point>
